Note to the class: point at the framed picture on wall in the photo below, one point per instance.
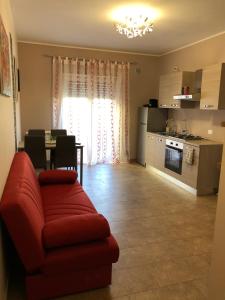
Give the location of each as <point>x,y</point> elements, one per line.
<point>14,72</point>
<point>13,69</point>
<point>5,81</point>
<point>15,89</point>
<point>14,80</point>
<point>18,79</point>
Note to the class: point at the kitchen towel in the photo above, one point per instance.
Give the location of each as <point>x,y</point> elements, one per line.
<point>189,156</point>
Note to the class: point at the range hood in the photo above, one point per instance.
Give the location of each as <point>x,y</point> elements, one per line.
<point>190,97</point>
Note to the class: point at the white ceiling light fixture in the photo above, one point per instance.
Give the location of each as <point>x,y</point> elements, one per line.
<point>136,26</point>
<point>135,20</point>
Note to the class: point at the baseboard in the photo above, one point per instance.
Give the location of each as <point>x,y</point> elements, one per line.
<point>174,180</point>
<point>132,161</point>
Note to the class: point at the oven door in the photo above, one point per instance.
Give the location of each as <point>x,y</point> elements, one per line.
<point>173,159</point>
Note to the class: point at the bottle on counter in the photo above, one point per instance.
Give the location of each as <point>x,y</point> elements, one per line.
<point>186,90</point>
<point>182,90</point>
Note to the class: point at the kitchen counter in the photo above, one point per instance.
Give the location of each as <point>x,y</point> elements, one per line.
<point>196,143</point>
<point>203,142</point>
<point>195,164</point>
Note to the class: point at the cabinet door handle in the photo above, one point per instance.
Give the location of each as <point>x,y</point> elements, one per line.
<point>208,105</point>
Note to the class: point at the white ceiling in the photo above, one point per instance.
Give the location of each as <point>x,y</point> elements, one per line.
<point>86,23</point>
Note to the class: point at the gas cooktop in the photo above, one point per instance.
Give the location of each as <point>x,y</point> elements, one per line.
<point>182,136</point>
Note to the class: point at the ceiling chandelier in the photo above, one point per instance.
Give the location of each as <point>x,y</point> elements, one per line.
<point>135,26</point>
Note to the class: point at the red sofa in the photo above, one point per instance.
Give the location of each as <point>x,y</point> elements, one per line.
<point>63,243</point>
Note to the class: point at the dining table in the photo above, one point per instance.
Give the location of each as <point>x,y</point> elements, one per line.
<point>51,145</point>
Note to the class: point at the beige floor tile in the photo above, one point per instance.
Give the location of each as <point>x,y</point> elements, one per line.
<point>178,270</point>
<point>132,280</point>
<point>142,255</point>
<point>184,291</point>
<point>202,285</point>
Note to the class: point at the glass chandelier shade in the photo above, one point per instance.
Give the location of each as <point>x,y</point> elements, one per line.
<point>135,26</point>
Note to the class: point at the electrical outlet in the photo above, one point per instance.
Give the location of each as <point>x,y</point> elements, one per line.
<point>210,131</point>
<point>175,68</point>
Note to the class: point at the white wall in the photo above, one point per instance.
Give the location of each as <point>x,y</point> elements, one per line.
<point>36,99</point>
<point>7,142</point>
<point>217,274</point>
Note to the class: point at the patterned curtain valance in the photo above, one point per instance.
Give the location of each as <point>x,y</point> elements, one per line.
<point>89,78</point>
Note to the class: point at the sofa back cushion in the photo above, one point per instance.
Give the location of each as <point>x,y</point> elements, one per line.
<point>22,212</point>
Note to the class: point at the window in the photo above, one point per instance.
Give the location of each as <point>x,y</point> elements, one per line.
<point>90,100</point>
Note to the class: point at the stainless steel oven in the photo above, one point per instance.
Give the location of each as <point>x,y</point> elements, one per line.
<point>174,156</point>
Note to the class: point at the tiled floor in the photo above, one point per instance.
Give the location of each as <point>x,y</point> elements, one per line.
<point>164,233</point>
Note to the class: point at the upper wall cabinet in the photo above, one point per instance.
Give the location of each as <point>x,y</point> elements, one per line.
<point>213,87</point>
<point>171,85</point>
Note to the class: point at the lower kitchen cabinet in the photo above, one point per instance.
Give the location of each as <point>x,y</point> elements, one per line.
<point>204,173</point>
<point>149,149</point>
<point>210,158</point>
<point>201,172</point>
<point>155,151</point>
<point>160,152</point>
<point>190,171</point>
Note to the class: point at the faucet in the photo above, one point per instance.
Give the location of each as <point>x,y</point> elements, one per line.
<point>171,126</point>
<point>184,127</point>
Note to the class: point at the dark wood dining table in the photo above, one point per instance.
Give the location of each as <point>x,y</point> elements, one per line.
<point>50,145</point>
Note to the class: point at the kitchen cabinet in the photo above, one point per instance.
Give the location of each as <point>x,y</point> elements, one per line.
<point>170,85</point>
<point>213,87</point>
<point>155,151</point>
<point>160,152</point>
<point>164,91</point>
<point>202,174</point>
<point>149,149</point>
<point>190,171</point>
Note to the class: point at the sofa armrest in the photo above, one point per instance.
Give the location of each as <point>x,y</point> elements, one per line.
<point>75,230</point>
<point>57,177</point>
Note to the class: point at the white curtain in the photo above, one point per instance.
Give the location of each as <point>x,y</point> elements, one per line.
<point>91,101</point>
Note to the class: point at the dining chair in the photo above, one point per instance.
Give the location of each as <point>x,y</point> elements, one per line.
<point>58,132</point>
<point>35,148</point>
<point>34,132</point>
<point>65,155</point>
<point>54,134</point>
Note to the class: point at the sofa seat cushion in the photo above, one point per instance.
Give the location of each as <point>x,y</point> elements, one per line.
<point>84,256</point>
<point>75,230</point>
<point>64,200</point>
